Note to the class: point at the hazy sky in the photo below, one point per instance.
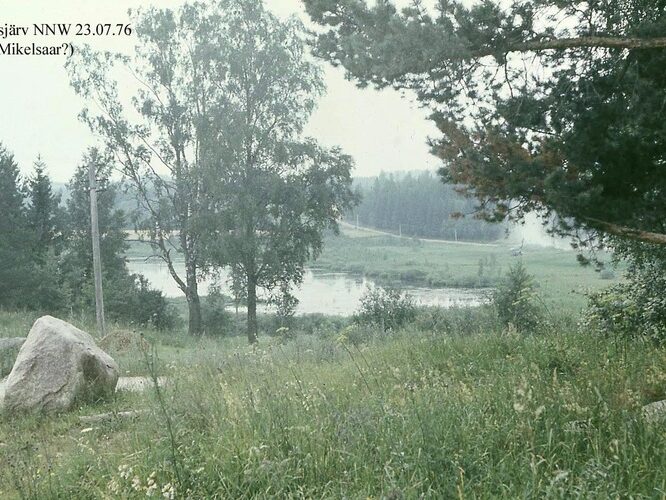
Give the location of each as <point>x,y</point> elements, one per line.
<point>38,109</point>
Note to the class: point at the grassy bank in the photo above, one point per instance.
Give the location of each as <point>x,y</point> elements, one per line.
<point>447,408</point>
<point>407,261</point>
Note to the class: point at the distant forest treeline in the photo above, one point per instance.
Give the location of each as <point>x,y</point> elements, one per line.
<point>419,204</point>
<point>414,204</point>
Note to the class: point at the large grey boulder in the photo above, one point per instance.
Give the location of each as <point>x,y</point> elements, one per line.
<point>57,366</point>
<point>9,348</point>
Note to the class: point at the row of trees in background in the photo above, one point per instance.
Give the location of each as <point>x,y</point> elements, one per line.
<point>419,205</point>
<point>46,251</point>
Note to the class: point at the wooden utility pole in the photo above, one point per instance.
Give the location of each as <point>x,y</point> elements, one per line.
<point>97,260</point>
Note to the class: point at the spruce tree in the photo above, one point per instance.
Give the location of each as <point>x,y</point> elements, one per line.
<point>42,210</point>
<point>77,260</point>
<point>15,239</point>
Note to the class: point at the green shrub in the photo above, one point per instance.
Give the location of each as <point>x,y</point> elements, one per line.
<point>462,321</point>
<point>413,276</point>
<point>515,301</point>
<point>151,306</point>
<point>607,274</point>
<point>129,298</point>
<point>216,319</point>
<point>357,334</point>
<point>285,304</point>
<point>634,308</point>
<point>285,334</point>
<point>387,308</point>
<point>320,324</point>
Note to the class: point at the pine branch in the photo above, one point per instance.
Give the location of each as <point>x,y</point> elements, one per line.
<point>627,232</point>
<point>571,43</point>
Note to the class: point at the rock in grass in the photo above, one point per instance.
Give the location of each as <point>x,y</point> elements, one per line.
<point>57,366</point>
<point>655,412</point>
<point>9,348</point>
<point>106,417</point>
<point>140,384</point>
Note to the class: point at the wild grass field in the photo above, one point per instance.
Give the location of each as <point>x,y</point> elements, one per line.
<point>452,405</point>
<point>448,407</point>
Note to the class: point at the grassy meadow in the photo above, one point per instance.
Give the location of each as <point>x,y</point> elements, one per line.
<point>449,407</point>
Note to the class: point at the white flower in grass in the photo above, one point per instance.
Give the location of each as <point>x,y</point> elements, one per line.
<point>113,487</point>
<point>560,475</point>
<point>124,471</point>
<point>168,491</point>
<point>151,490</point>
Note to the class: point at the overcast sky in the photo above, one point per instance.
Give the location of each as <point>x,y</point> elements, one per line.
<point>38,109</point>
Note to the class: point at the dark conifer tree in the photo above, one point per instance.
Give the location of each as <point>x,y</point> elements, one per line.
<point>14,235</point>
<point>43,209</point>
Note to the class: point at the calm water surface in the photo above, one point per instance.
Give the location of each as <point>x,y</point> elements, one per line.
<point>321,291</point>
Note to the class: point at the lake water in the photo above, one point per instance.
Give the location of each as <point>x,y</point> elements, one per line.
<point>321,291</point>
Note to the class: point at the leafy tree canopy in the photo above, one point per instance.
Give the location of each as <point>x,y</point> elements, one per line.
<point>161,136</point>
<point>554,106</point>
<point>270,192</point>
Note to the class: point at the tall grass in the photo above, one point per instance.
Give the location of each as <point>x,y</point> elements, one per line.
<point>432,411</point>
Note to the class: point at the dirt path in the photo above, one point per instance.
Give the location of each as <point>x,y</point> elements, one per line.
<point>139,384</point>
<point>347,225</point>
